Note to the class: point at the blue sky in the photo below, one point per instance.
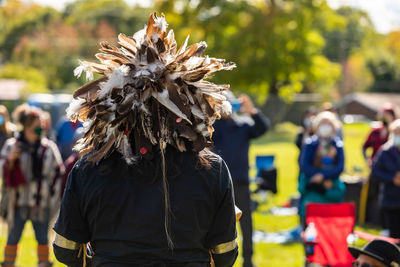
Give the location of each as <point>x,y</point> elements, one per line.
<point>385,14</point>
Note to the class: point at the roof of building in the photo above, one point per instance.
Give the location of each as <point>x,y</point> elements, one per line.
<point>373,101</point>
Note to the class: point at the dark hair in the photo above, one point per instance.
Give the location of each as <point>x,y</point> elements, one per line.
<point>26,115</point>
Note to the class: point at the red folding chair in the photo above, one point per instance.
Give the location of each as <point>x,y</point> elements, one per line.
<point>333,222</point>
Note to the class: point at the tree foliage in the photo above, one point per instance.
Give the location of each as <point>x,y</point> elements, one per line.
<point>281,47</point>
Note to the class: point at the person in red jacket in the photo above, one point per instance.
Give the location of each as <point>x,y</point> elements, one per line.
<point>378,136</point>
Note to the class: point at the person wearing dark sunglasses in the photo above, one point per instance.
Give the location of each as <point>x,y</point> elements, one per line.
<point>377,253</point>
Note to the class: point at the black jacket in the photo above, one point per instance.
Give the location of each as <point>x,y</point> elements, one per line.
<point>119,209</point>
<point>232,140</point>
<point>384,169</point>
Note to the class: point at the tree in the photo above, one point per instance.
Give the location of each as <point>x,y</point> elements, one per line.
<point>18,19</point>
<point>36,82</point>
<point>352,30</point>
<point>383,68</point>
<point>276,45</point>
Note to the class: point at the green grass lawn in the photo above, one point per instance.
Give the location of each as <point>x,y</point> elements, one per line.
<point>279,143</point>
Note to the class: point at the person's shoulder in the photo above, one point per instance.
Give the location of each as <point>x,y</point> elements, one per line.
<point>338,142</point>
<point>311,140</point>
<point>213,157</point>
<point>214,162</point>
<point>376,128</point>
<point>387,147</point>
<point>48,143</point>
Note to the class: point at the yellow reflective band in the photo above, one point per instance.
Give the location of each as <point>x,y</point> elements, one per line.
<point>62,242</point>
<point>224,247</point>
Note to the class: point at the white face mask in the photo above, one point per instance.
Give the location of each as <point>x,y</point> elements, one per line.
<point>307,122</point>
<point>325,130</point>
<point>396,140</point>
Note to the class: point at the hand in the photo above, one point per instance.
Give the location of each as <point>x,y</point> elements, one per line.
<point>369,162</point>
<point>15,153</point>
<point>332,152</point>
<point>247,105</point>
<point>317,178</point>
<point>396,180</point>
<point>328,184</point>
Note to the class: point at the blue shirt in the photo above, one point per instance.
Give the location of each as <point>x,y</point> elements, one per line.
<point>309,153</point>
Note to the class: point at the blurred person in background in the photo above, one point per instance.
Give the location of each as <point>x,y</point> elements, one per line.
<point>7,129</point>
<point>378,136</point>
<point>30,165</point>
<point>231,138</point>
<point>386,169</point>
<point>65,136</point>
<point>72,159</point>
<point>46,125</point>
<point>321,164</point>
<point>328,106</point>
<point>307,128</point>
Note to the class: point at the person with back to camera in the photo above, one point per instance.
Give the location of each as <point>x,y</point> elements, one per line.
<point>386,169</point>
<point>231,141</point>
<point>30,166</point>
<point>148,192</point>
<point>321,164</point>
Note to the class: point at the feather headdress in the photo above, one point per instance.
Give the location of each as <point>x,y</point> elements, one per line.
<point>151,93</point>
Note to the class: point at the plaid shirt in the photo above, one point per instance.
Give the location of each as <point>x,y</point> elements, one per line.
<point>375,140</point>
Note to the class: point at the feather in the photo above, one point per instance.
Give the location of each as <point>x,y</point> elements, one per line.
<point>108,58</point>
<point>127,43</point>
<point>117,54</point>
<point>116,79</point>
<point>83,68</point>
<point>190,51</point>
<point>151,55</point>
<point>170,43</point>
<point>163,98</point>
<point>149,92</point>
<point>88,90</point>
<point>183,46</point>
<point>104,150</point>
<point>156,25</point>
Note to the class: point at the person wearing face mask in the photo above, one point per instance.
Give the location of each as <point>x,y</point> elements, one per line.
<point>321,164</point>
<point>30,166</point>
<point>306,127</point>
<point>386,169</point>
<point>377,137</point>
